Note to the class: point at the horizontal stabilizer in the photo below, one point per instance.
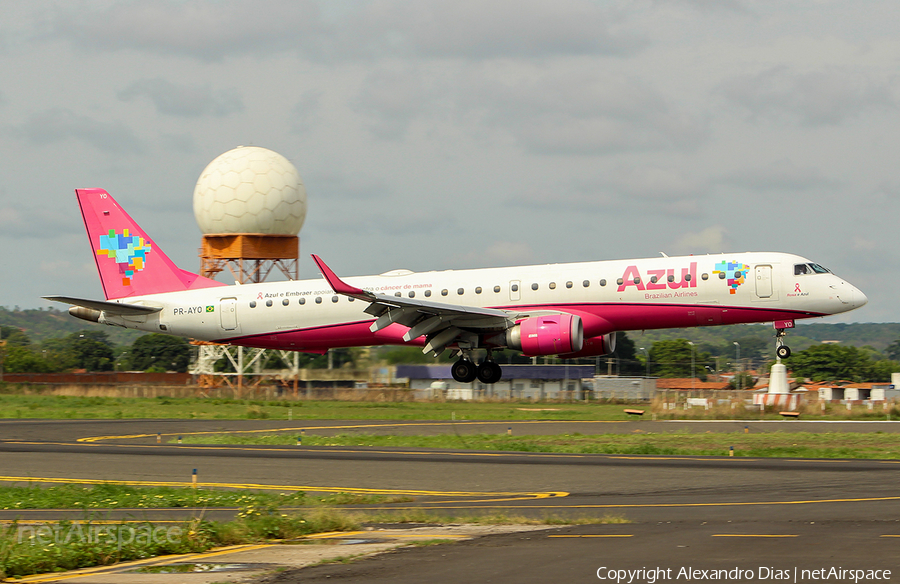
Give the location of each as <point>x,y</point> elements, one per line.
<point>107,307</point>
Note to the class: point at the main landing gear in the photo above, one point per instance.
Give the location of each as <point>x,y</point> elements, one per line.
<point>466,371</point>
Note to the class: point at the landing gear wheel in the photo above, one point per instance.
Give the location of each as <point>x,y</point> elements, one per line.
<point>782,351</point>
<point>489,372</point>
<point>463,371</point>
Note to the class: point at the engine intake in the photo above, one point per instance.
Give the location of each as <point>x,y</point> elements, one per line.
<point>546,335</point>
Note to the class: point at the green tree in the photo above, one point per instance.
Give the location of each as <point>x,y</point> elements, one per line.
<point>92,355</point>
<point>893,351</point>
<point>742,381</point>
<point>674,358</point>
<point>23,360</point>
<point>160,352</point>
<point>14,337</point>
<point>884,368</point>
<point>832,362</point>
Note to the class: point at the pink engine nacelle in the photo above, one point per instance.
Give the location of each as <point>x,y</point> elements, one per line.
<point>595,347</point>
<point>547,335</point>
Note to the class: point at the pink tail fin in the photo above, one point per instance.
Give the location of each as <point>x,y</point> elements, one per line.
<point>129,262</point>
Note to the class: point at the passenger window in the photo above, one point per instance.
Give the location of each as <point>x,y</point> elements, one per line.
<point>603,282</point>
<point>318,300</point>
<point>478,290</point>
<point>568,284</point>
<point>460,291</point>
<point>687,277</point>
<point>534,286</point>
<point>427,293</point>
<point>586,283</point>
<point>412,294</point>
<point>620,281</point>
<point>653,279</point>
<point>268,303</point>
<point>302,301</point>
<point>334,298</point>
<point>705,276</point>
<point>285,302</point>
<point>496,289</point>
<point>444,292</point>
<point>397,294</point>
<point>721,276</point>
<point>253,304</point>
<point>671,278</point>
<point>515,288</point>
<point>553,285</point>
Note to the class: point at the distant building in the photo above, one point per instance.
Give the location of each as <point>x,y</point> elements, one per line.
<point>536,382</point>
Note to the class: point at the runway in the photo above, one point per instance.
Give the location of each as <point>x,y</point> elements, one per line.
<point>700,496</point>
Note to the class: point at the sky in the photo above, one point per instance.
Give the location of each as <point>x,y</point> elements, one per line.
<point>436,135</point>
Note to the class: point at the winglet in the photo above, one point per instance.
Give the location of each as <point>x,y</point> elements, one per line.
<point>338,285</point>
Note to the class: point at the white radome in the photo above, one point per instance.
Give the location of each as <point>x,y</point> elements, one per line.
<point>250,190</point>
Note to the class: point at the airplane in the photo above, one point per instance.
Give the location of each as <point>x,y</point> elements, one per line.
<point>570,310</point>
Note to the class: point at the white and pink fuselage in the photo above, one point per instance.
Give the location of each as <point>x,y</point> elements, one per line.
<point>608,296</point>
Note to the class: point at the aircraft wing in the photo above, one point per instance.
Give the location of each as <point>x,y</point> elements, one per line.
<point>118,308</point>
<point>442,324</point>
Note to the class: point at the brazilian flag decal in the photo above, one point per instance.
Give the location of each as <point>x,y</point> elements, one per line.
<point>210,309</point>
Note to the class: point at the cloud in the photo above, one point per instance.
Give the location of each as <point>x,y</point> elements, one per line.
<point>188,101</point>
<point>499,253</point>
<point>571,111</point>
<point>392,99</point>
<point>780,175</point>
<point>58,125</point>
<point>204,30</point>
<point>628,190</point>
<point>304,114</point>
<point>708,6</point>
<point>828,96</point>
<point>710,240</point>
<point>466,29</point>
<point>471,29</point>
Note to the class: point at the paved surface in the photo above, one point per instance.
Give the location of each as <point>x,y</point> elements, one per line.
<point>836,513</point>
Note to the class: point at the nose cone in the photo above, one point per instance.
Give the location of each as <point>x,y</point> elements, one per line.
<point>858,298</point>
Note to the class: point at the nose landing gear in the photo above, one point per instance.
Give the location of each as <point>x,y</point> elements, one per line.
<point>782,351</point>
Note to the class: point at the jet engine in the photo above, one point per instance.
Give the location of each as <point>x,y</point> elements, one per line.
<point>546,335</point>
<point>595,347</point>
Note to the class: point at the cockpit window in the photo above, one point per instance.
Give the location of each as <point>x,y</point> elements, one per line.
<point>800,269</point>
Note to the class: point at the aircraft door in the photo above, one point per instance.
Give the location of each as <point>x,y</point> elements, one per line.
<point>228,313</point>
<point>515,290</point>
<point>764,281</point>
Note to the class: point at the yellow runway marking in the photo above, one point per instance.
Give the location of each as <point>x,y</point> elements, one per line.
<point>130,565</point>
<point>288,448</point>
<point>439,505</point>
<point>596,535</point>
<point>351,427</point>
<point>750,535</point>
<point>407,492</point>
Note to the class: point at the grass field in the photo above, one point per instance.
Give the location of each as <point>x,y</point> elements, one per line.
<point>116,496</point>
<point>63,407</point>
<point>777,444</point>
<point>18,406</point>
